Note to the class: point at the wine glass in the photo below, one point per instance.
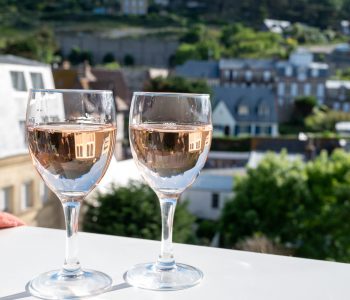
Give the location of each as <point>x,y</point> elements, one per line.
<point>71,138</point>
<point>170,137</point>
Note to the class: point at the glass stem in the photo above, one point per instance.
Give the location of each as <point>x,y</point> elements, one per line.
<point>71,265</point>
<point>166,259</point>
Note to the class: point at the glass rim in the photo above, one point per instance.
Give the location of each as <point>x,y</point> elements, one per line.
<point>70,91</point>
<point>170,94</point>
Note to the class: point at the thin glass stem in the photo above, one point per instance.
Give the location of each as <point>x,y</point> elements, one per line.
<point>166,259</point>
<point>71,265</point>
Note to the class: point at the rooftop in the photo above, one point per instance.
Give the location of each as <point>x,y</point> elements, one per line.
<point>198,69</point>
<point>17,60</point>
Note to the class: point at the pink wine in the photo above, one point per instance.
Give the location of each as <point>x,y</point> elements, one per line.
<point>170,156</point>
<point>71,158</point>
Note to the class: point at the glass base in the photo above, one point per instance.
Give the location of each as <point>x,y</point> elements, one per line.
<point>147,276</point>
<point>56,285</point>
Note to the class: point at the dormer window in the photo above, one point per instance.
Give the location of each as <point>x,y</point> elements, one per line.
<point>301,74</point>
<point>243,110</point>
<point>248,75</point>
<point>267,75</point>
<point>314,72</point>
<point>37,80</point>
<point>263,110</point>
<point>18,81</point>
<point>288,71</point>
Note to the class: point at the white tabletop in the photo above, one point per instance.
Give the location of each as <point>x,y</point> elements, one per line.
<point>235,275</point>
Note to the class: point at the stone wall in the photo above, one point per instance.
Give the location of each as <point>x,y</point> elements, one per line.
<point>146,50</point>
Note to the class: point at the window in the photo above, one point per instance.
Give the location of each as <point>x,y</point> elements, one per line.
<point>267,75</point>
<point>234,74</point>
<point>227,74</point>
<point>307,89</point>
<point>288,71</point>
<point>314,72</point>
<point>280,89</point>
<point>18,81</point>
<point>294,89</point>
<point>320,90</point>
<point>26,195</point>
<point>265,130</point>
<point>242,129</point>
<point>243,110</point>
<point>336,105</point>
<point>301,74</point>
<point>263,110</point>
<point>5,198</point>
<point>215,200</point>
<point>37,80</point>
<point>248,75</point>
<point>346,107</point>
<point>44,192</point>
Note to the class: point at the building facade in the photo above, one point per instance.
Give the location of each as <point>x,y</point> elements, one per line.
<point>134,7</point>
<point>297,77</point>
<point>247,72</point>
<point>338,95</point>
<point>208,195</point>
<point>22,192</point>
<point>244,111</point>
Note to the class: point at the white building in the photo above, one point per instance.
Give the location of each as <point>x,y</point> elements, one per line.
<point>208,194</point>
<point>134,7</point>
<point>17,76</point>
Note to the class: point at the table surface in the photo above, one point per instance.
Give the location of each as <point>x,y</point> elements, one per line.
<point>236,275</point>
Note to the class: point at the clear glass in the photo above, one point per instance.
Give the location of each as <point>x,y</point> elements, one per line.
<point>170,137</point>
<point>71,138</point>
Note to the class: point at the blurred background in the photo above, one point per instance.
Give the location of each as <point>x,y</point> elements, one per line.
<point>277,179</point>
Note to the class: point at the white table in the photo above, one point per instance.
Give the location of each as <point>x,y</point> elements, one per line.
<point>235,275</point>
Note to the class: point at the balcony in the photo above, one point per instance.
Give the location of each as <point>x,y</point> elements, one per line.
<point>228,274</point>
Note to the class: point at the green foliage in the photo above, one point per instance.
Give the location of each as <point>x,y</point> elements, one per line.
<point>302,206</point>
<point>78,56</point>
<point>111,66</point>
<point>203,50</point>
<point>206,231</point>
<point>129,60</point>
<point>108,58</point>
<point>194,35</point>
<point>343,74</point>
<point>178,85</point>
<point>245,42</point>
<point>40,46</point>
<point>134,211</point>
<point>324,119</point>
<point>303,107</point>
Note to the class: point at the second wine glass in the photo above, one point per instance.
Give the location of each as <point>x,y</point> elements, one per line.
<point>170,137</point>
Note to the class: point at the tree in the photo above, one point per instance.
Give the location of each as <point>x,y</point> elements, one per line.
<point>40,45</point>
<point>78,56</point>
<point>324,119</point>
<point>301,206</point>
<point>178,85</point>
<point>108,58</point>
<point>203,50</point>
<point>129,60</point>
<point>303,107</point>
<point>134,211</point>
<point>245,42</point>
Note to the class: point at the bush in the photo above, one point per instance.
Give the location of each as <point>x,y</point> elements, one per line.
<point>134,211</point>
<point>300,206</point>
<point>129,60</point>
<point>178,85</point>
<point>108,58</point>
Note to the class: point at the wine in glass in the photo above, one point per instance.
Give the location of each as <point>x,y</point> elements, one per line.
<point>170,137</point>
<point>71,138</point>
